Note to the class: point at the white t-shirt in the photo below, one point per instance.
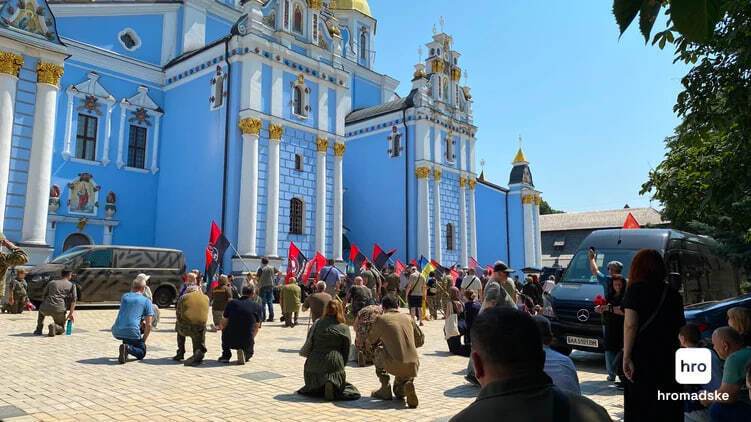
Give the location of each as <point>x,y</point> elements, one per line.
<point>471,282</point>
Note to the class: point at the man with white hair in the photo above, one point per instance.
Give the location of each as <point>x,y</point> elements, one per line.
<point>317,301</point>
<point>135,314</point>
<point>614,268</point>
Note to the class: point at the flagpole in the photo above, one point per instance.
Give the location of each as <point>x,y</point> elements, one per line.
<point>242,261</point>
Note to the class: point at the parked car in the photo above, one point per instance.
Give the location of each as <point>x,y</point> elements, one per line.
<point>103,273</point>
<point>714,314</point>
<point>701,275</point>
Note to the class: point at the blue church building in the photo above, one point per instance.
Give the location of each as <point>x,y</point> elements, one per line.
<point>139,122</point>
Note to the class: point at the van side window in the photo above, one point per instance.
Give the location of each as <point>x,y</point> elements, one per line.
<point>101,258</point>
<point>693,271</point>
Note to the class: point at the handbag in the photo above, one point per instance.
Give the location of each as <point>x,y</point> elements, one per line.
<point>618,361</point>
<point>451,324</point>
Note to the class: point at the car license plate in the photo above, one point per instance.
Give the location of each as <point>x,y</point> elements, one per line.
<point>582,341</point>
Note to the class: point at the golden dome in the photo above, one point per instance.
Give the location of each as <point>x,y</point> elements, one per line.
<point>361,6</point>
<point>519,157</point>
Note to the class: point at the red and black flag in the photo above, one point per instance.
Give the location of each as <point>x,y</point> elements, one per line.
<point>313,266</point>
<point>356,258</point>
<point>380,258</point>
<point>399,267</point>
<point>215,250</point>
<point>295,262</point>
<point>439,269</point>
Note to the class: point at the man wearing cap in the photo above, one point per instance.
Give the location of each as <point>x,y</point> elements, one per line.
<point>135,314</point>
<point>558,367</point>
<point>614,267</point>
<point>496,290</point>
<point>59,295</point>
<point>16,256</point>
<point>18,295</point>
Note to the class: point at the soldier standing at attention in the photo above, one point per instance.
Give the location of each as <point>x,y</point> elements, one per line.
<point>18,293</point>
<point>16,257</point>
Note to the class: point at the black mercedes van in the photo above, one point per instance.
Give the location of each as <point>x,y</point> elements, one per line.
<point>690,259</point>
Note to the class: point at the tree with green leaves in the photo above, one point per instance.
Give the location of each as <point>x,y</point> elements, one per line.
<point>704,182</point>
<point>545,209</point>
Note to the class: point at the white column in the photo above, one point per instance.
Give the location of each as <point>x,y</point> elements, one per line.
<point>537,233</point>
<point>322,145</point>
<point>40,165</point>
<point>472,221</point>
<point>121,135</point>
<point>529,247</point>
<point>251,85</point>
<point>422,141</point>
<point>272,191</point>
<point>423,213</point>
<point>10,66</point>
<point>67,147</point>
<point>343,105</point>
<point>437,224</point>
<point>107,235</point>
<point>277,91</point>
<point>463,260</point>
<point>107,132</point>
<point>437,141</point>
<point>323,108</point>
<point>472,158</point>
<point>155,148</point>
<point>462,152</point>
<point>247,225</point>
<point>338,201</point>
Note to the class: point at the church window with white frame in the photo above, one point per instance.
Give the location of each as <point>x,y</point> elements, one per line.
<point>364,44</point>
<point>286,14</point>
<point>296,214</point>
<point>216,99</point>
<point>449,237</point>
<point>129,39</point>
<point>137,142</point>
<point>395,142</point>
<point>449,149</point>
<point>86,137</point>
<point>300,97</point>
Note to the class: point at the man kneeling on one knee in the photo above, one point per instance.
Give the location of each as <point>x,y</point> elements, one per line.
<point>135,308</point>
<point>396,337</point>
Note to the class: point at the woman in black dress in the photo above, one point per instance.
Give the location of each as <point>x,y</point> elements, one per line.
<point>612,319</point>
<point>653,317</point>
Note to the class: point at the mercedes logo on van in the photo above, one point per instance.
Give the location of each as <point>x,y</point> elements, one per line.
<point>582,315</point>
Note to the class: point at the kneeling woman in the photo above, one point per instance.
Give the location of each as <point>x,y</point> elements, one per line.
<point>327,352</point>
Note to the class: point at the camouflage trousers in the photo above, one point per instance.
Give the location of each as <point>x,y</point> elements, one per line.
<point>58,317</point>
<point>197,334</point>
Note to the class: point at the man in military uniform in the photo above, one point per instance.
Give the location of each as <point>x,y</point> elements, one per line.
<point>192,313</point>
<point>444,286</point>
<point>371,280</point>
<point>18,295</point>
<point>16,256</point>
<point>392,283</point>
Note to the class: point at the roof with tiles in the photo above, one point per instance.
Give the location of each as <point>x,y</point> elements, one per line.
<point>599,219</point>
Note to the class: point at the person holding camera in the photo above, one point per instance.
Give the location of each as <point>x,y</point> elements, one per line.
<point>614,267</point>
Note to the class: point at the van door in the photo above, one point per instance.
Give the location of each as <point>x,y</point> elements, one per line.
<point>95,276</point>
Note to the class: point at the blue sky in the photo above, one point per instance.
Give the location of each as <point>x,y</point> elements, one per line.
<point>592,110</point>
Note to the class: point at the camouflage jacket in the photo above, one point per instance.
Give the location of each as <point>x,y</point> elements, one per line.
<point>15,257</point>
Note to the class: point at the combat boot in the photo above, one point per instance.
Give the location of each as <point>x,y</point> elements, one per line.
<point>409,390</point>
<point>383,393</point>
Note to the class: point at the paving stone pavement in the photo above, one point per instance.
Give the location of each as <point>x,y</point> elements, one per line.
<point>77,377</point>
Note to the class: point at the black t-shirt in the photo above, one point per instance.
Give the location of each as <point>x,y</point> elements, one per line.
<point>432,286</point>
<point>243,315</point>
<point>655,346</point>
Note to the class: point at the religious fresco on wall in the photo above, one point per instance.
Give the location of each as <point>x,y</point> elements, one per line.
<point>83,195</point>
<point>29,16</point>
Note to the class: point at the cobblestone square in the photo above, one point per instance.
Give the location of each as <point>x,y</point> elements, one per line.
<point>78,378</point>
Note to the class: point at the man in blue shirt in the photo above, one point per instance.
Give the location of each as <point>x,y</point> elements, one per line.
<point>558,366</point>
<point>614,267</point>
<point>136,313</point>
<point>332,277</point>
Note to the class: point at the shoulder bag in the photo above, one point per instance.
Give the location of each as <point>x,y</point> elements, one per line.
<point>618,361</point>
<point>451,324</point>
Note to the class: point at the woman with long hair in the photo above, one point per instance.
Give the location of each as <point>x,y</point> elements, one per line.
<point>455,306</point>
<point>653,318</point>
<point>740,320</point>
<point>327,352</point>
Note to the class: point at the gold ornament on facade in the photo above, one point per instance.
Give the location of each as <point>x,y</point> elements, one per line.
<point>471,184</point>
<point>315,4</point>
<point>422,172</point>
<point>322,144</point>
<point>275,132</point>
<point>419,74</point>
<point>437,174</point>
<point>49,73</point>
<point>300,79</point>
<point>250,126</point>
<point>532,199</point>
<point>462,181</point>
<point>10,63</point>
<point>339,149</point>
<point>456,74</point>
<point>438,66</point>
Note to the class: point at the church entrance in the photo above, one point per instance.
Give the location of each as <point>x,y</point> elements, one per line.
<point>75,239</point>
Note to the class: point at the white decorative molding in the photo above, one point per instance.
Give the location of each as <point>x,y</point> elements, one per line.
<point>133,34</point>
<point>88,88</point>
<point>95,56</point>
<point>140,101</point>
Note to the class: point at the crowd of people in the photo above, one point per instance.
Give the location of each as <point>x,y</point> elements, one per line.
<point>489,318</point>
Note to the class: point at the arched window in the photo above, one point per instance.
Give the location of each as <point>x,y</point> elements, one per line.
<point>298,162</point>
<point>286,14</point>
<point>446,90</point>
<point>295,216</point>
<point>449,237</point>
<point>75,239</point>
<point>297,20</point>
<point>297,101</point>
<point>363,45</point>
<point>440,89</point>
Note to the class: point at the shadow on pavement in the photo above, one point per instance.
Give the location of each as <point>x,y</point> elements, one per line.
<point>24,335</point>
<point>99,361</point>
<point>602,388</point>
<point>291,351</point>
<point>297,398</point>
<point>465,391</point>
<point>367,402</point>
<point>439,353</point>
